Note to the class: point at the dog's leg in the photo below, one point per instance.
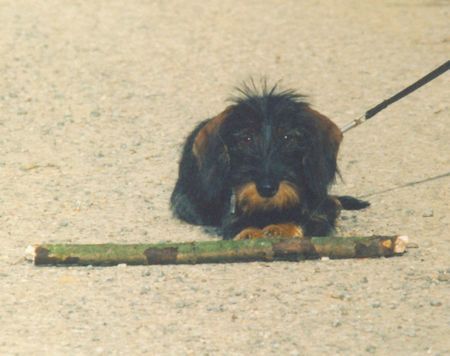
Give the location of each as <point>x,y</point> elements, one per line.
<point>290,230</point>
<point>287,230</point>
<point>250,233</point>
<point>320,220</point>
<point>238,228</point>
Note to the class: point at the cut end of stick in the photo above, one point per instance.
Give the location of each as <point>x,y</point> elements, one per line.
<point>30,253</point>
<point>401,243</point>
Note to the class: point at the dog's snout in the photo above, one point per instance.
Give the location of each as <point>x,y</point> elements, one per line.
<point>267,188</point>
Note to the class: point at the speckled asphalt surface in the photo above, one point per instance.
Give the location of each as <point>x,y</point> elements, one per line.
<point>96,98</point>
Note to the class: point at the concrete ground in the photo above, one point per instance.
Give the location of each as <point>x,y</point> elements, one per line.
<point>96,98</point>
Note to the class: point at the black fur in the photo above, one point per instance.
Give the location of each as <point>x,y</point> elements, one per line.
<point>263,138</point>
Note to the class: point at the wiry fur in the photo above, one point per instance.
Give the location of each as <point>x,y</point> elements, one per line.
<point>274,154</point>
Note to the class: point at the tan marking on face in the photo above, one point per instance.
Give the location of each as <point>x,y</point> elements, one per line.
<point>204,135</point>
<point>248,199</point>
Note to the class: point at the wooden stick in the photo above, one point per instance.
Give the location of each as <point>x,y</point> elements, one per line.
<point>275,249</point>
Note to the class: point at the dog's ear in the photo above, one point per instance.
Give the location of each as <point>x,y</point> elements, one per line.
<point>211,155</point>
<point>320,161</point>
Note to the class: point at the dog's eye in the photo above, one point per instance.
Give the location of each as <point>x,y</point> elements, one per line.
<point>293,141</point>
<point>288,138</point>
<point>246,139</point>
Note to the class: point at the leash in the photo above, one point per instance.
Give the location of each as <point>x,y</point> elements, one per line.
<point>401,94</point>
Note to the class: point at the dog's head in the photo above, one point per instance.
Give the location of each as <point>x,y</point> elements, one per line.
<point>271,149</point>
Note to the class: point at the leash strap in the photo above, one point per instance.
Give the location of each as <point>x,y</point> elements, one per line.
<point>401,94</point>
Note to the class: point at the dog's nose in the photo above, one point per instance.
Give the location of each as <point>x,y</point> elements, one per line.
<point>267,189</point>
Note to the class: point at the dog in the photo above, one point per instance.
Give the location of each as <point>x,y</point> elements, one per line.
<point>261,168</point>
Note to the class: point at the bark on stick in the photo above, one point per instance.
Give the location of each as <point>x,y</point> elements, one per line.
<point>274,249</point>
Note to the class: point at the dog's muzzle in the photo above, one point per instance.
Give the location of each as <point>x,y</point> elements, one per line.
<point>247,198</point>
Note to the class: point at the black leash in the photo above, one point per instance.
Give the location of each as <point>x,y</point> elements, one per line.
<point>383,105</point>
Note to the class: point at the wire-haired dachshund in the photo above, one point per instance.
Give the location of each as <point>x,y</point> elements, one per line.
<point>261,168</point>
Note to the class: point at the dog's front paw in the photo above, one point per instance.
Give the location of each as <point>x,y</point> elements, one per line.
<point>249,233</point>
<point>283,230</point>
